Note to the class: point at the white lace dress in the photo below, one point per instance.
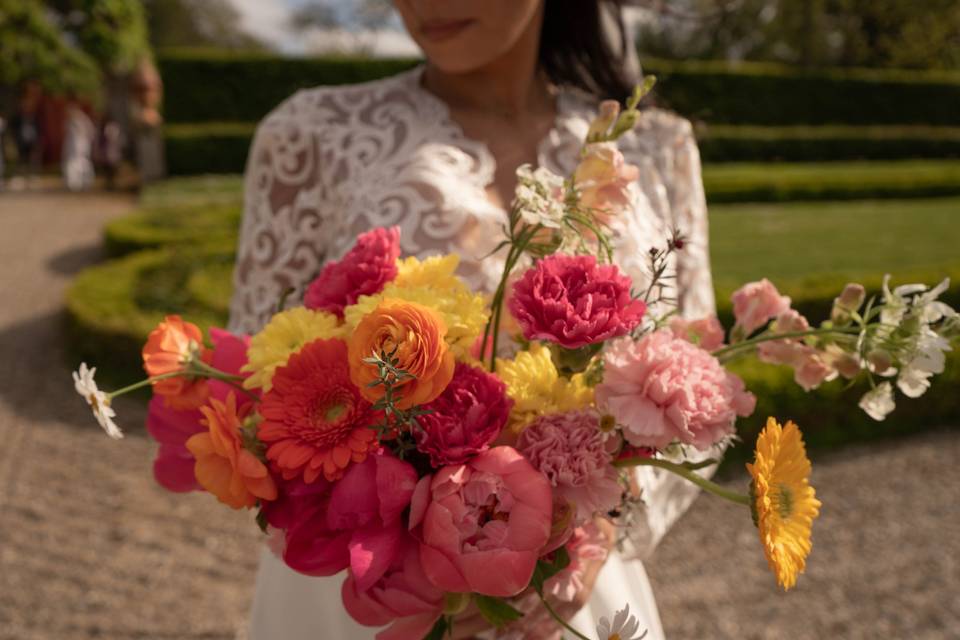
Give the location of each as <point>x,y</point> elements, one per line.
<point>332,162</point>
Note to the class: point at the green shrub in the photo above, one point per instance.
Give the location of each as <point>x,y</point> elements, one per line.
<point>193,190</point>
<point>193,149</point>
<point>174,225</point>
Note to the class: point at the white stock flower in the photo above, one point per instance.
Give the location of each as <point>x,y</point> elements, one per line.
<point>539,196</point>
<point>878,402</point>
<point>623,627</point>
<point>86,386</point>
<point>926,358</point>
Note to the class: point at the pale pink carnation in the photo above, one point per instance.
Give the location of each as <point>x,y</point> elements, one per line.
<point>662,388</point>
<point>571,451</point>
<point>756,303</point>
<point>706,332</point>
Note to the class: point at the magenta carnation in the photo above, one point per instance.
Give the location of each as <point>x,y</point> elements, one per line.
<point>570,450</point>
<point>363,271</point>
<point>466,418</point>
<point>663,388</point>
<point>573,301</point>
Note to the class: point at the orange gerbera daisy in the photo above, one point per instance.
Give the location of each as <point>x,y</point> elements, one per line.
<point>224,467</point>
<point>314,418</point>
<point>170,348</point>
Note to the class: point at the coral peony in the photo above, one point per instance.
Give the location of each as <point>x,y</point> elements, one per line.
<point>403,597</point>
<point>571,451</point>
<point>755,303</point>
<point>662,388</point>
<point>602,180</point>
<point>465,418</point>
<point>707,333</point>
<point>492,512</point>
<point>415,335</point>
<point>314,419</point>
<point>573,301</point>
<point>364,270</point>
<point>224,467</point>
<point>170,347</point>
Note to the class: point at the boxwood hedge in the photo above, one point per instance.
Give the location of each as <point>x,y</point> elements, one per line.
<point>214,223</point>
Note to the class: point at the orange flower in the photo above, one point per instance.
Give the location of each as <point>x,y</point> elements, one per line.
<point>224,467</point>
<point>417,334</point>
<point>170,347</point>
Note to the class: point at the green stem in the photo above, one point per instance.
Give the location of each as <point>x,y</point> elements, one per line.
<point>684,472</point>
<point>732,348</point>
<point>556,616</point>
<point>143,383</point>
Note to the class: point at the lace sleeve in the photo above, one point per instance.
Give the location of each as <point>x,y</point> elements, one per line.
<point>286,209</point>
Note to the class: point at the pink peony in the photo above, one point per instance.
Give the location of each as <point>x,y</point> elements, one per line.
<point>364,270</point>
<point>588,544</point>
<point>707,333</point>
<point>465,419</point>
<point>602,180</point>
<point>402,596</point>
<point>755,303</point>
<point>571,451</point>
<point>573,301</point>
<point>662,388</point>
<point>483,524</point>
<point>171,428</point>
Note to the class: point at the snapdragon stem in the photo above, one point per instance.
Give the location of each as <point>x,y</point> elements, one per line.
<point>723,352</point>
<point>556,616</point>
<point>686,473</point>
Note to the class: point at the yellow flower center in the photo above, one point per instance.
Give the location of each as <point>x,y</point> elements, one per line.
<point>614,636</point>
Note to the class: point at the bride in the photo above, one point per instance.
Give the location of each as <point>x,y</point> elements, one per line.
<point>434,150</point>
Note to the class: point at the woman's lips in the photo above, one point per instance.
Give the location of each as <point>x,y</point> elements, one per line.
<point>439,30</point>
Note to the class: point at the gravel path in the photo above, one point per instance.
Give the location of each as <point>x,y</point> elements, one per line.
<point>90,547</point>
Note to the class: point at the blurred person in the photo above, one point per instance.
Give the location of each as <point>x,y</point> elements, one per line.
<point>27,130</point>
<point>146,122</point>
<point>78,145</point>
<point>111,150</point>
<point>435,150</point>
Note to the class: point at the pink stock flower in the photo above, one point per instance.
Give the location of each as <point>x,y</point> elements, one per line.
<point>602,180</point>
<point>707,333</point>
<point>171,428</point>
<point>588,544</point>
<point>403,597</point>
<point>571,451</point>
<point>465,418</point>
<point>573,301</point>
<point>364,270</point>
<point>755,303</point>
<point>662,388</point>
<point>483,524</point>
<point>810,366</point>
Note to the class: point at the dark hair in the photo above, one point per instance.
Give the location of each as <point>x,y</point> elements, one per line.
<point>577,50</point>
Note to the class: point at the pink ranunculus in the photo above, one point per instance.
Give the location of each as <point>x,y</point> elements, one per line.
<point>602,180</point>
<point>755,303</point>
<point>707,332</point>
<point>171,428</point>
<point>571,451</point>
<point>574,302</point>
<point>403,597</point>
<point>482,525</point>
<point>465,418</point>
<point>588,544</point>
<point>364,270</point>
<point>662,388</point>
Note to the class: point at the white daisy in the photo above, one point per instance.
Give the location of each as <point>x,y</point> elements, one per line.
<point>623,627</point>
<point>878,402</point>
<point>86,386</point>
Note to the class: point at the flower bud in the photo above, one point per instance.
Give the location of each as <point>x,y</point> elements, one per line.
<point>607,113</point>
<point>847,302</point>
<point>847,365</point>
<point>880,361</point>
<point>627,121</point>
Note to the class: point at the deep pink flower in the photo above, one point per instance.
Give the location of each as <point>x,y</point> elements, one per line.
<point>482,525</point>
<point>465,418</point>
<point>662,388</point>
<point>573,301</point>
<point>756,303</point>
<point>173,466</point>
<point>403,596</point>
<point>363,271</point>
<point>707,333</point>
<point>571,451</point>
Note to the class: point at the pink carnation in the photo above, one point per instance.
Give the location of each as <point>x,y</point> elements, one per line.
<point>364,270</point>
<point>707,332</point>
<point>465,418</point>
<point>570,450</point>
<point>573,301</point>
<point>482,525</point>
<point>756,303</point>
<point>662,388</point>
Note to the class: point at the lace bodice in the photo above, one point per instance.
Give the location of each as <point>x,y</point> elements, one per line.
<point>332,162</point>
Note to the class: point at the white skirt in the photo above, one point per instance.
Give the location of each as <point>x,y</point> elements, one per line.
<point>291,606</point>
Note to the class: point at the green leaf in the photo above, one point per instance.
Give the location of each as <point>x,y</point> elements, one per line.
<point>496,611</point>
<point>440,628</point>
<point>262,520</point>
<point>547,568</point>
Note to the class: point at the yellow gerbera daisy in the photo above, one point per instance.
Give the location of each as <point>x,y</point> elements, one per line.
<point>783,502</point>
<point>283,336</point>
<point>537,388</point>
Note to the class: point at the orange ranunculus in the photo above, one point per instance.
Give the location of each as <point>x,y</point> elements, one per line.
<point>224,468</point>
<point>168,349</point>
<point>417,334</point>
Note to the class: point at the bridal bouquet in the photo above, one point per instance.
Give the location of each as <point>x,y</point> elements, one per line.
<point>386,429</point>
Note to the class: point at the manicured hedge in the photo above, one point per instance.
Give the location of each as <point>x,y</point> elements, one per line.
<point>173,225</point>
<point>193,149</point>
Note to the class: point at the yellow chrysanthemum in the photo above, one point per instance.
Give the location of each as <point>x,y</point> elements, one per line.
<point>537,388</point>
<point>283,336</point>
<point>432,283</point>
<point>783,502</point>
